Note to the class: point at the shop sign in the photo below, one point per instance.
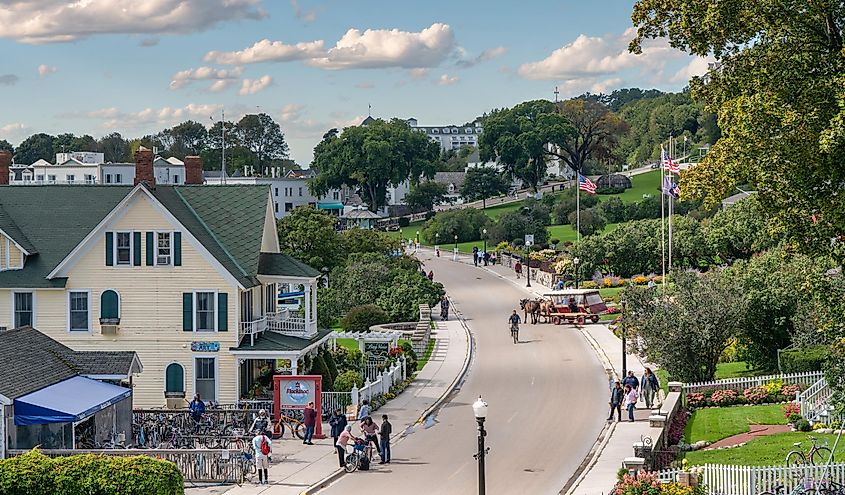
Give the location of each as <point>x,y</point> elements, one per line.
<point>297,392</point>
<point>205,346</point>
<point>377,348</point>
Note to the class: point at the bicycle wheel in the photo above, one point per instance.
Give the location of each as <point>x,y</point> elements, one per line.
<point>298,429</point>
<point>278,430</point>
<point>820,456</point>
<point>351,463</point>
<point>795,458</point>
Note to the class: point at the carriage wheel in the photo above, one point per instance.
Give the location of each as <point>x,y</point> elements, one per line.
<point>580,320</point>
<point>594,318</point>
<point>556,320</point>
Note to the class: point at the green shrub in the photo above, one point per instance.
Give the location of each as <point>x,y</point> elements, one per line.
<point>36,474</point>
<point>330,363</point>
<point>347,380</point>
<point>610,190</point>
<point>803,359</point>
<point>803,425</point>
<point>466,223</point>
<point>361,318</point>
<point>319,367</point>
<point>404,221</point>
<point>410,356</point>
<point>794,418</point>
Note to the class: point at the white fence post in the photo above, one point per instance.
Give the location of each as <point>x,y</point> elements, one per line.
<point>355,396</point>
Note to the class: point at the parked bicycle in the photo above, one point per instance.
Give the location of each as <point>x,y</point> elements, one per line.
<point>817,455</point>
<point>246,466</point>
<point>295,426</point>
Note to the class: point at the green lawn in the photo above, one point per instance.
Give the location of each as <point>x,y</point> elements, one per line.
<point>716,423</point>
<point>646,183</point>
<point>429,348</point>
<point>763,451</point>
<point>350,344</point>
<point>735,370</point>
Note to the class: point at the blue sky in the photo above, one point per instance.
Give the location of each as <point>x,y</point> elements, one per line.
<point>132,66</point>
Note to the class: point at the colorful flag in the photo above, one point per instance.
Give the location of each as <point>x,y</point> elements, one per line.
<point>670,187</point>
<point>586,184</point>
<point>668,164</point>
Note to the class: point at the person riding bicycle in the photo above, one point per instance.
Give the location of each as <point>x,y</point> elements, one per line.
<point>514,320</point>
<point>260,423</point>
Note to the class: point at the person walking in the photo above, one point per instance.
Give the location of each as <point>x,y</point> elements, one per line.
<point>493,259</point>
<point>631,381</point>
<point>310,421</point>
<point>342,441</point>
<point>486,258</point>
<point>197,409</point>
<point>616,398</point>
<point>444,308</point>
<point>431,275</point>
<point>475,255</point>
<point>263,447</point>
<point>385,432</point>
<point>631,398</point>
<point>649,385</point>
<point>337,423</point>
<point>518,269</point>
<point>369,427</point>
<point>364,411</point>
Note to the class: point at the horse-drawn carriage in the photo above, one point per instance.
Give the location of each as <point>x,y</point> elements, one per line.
<point>565,306</point>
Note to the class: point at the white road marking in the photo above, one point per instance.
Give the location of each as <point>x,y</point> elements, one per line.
<point>532,380</point>
<point>458,471</point>
<point>513,416</point>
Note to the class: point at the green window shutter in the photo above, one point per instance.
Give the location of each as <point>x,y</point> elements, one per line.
<point>137,248</point>
<point>188,311</point>
<point>150,247</point>
<point>109,306</point>
<point>174,378</point>
<point>222,312</point>
<point>177,249</point>
<point>109,248</point>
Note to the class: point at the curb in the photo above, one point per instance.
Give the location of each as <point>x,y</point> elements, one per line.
<point>398,437</point>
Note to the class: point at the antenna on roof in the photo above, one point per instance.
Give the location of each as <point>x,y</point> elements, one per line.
<point>369,110</point>
<point>556,94</point>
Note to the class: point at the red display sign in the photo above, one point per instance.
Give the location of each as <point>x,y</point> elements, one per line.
<point>295,392</point>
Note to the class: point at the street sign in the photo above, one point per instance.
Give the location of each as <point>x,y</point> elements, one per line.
<point>529,239</point>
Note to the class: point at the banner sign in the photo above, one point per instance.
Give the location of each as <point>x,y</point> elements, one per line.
<point>377,348</point>
<point>205,346</point>
<point>295,392</point>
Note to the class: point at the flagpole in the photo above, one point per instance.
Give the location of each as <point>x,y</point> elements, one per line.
<point>671,202</point>
<point>578,206</point>
<point>662,221</point>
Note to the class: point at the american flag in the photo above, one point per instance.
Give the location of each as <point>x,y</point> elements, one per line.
<point>586,184</point>
<point>668,164</point>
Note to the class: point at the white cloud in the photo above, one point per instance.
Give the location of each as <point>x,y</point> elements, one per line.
<point>418,73</point>
<point>13,128</point>
<point>221,77</point>
<point>377,48</point>
<point>113,118</point>
<point>307,16</point>
<point>267,51</point>
<point>446,80</point>
<point>696,67</point>
<point>45,70</point>
<point>252,86</point>
<point>54,21</point>
<point>484,56</point>
<point>595,56</point>
<point>607,85</point>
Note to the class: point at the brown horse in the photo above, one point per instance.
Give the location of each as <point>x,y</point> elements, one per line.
<point>530,307</point>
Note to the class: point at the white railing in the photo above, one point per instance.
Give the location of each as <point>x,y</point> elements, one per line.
<point>753,480</point>
<point>804,378</point>
<point>291,325</point>
<point>333,401</point>
<point>814,400</point>
<point>254,327</point>
<point>280,322</point>
<point>382,384</point>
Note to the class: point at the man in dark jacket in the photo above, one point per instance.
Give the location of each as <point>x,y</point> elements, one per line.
<point>631,380</point>
<point>338,423</point>
<point>310,421</point>
<point>616,396</point>
<point>385,432</point>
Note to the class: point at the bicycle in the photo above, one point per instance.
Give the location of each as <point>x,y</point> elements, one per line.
<point>360,450</point>
<point>246,466</point>
<point>515,333</point>
<point>296,427</point>
<point>817,454</point>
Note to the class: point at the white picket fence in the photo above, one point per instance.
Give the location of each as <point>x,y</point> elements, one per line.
<point>814,400</point>
<point>721,479</point>
<point>381,385</point>
<point>804,378</point>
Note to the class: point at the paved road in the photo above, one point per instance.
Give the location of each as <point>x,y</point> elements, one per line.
<point>546,400</point>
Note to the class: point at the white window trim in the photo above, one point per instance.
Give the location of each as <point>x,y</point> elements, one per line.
<point>100,302</point>
<point>194,358</point>
<point>155,247</point>
<point>90,310</point>
<point>131,248</point>
<point>184,385</point>
<point>12,306</point>
<point>194,310</point>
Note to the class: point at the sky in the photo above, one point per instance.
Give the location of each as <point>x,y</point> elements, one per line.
<point>139,66</point>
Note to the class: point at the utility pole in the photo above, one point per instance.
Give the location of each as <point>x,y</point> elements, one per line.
<point>223,161</point>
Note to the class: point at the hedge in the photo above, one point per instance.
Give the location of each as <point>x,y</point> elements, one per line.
<point>803,359</point>
<point>34,473</point>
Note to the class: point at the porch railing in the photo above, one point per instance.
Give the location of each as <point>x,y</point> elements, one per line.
<point>291,325</point>
<point>279,322</point>
<point>206,465</point>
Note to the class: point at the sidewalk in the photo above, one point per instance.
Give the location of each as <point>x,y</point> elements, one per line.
<point>297,467</point>
<point>599,474</point>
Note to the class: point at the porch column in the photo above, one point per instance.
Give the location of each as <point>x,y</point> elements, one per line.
<point>294,363</point>
<point>307,305</point>
<point>314,301</point>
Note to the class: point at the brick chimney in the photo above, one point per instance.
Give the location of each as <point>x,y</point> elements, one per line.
<point>5,163</point>
<point>193,170</point>
<point>144,167</point>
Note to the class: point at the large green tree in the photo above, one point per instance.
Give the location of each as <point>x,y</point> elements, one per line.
<point>308,235</point>
<point>34,148</point>
<point>264,138</point>
<point>6,146</point>
<point>372,157</point>
<point>483,183</point>
<point>425,195</point>
<point>779,93</point>
<point>524,139</point>
<point>597,132</point>
<point>114,148</point>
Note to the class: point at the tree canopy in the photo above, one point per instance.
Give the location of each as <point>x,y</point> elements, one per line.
<point>308,235</point>
<point>425,195</point>
<point>372,157</point>
<point>483,183</point>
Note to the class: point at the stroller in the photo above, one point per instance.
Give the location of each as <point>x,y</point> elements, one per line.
<point>359,458</point>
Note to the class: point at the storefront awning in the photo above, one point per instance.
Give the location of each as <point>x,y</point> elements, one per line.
<point>329,206</point>
<point>70,400</point>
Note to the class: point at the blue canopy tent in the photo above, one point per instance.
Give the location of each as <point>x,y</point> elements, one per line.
<point>68,401</point>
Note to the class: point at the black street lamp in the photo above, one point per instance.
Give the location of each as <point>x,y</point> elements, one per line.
<point>624,304</point>
<point>575,262</point>
<point>484,232</point>
<point>480,410</point>
<point>418,238</point>
<point>528,265</point>
<point>456,243</point>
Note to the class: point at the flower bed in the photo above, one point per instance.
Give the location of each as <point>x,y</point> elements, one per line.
<point>770,393</point>
<point>644,483</point>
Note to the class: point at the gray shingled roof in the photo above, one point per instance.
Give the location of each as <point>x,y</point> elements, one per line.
<point>32,361</point>
<point>271,341</point>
